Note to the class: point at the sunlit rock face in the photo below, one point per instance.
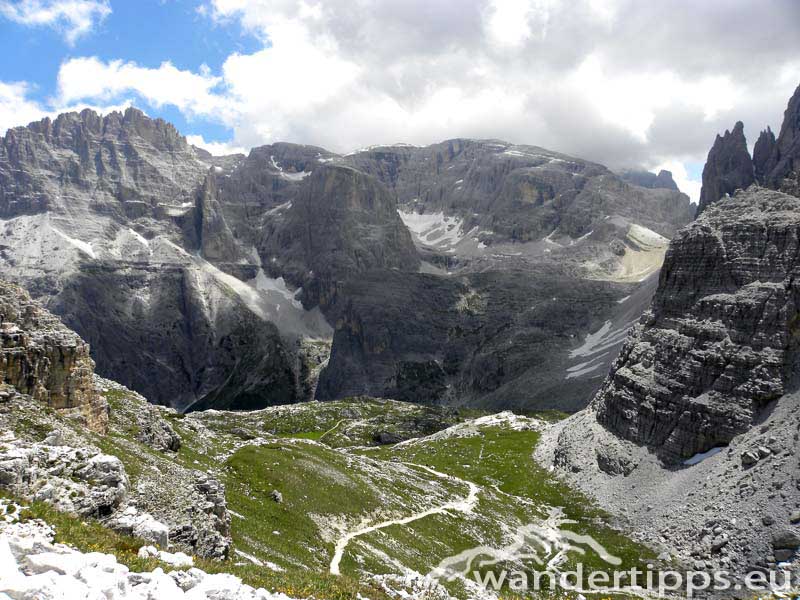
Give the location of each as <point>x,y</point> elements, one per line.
<point>40,357</point>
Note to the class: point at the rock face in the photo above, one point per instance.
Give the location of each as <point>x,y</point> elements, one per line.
<point>719,341</point>
<point>728,167</point>
<point>785,159</point>
<point>342,223</point>
<point>42,358</point>
<point>130,163</point>
<point>141,244</point>
<point>494,339</point>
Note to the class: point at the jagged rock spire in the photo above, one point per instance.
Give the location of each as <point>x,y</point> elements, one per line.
<point>728,167</point>
<point>763,161</point>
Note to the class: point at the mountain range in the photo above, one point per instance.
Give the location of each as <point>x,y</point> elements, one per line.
<point>465,273</point>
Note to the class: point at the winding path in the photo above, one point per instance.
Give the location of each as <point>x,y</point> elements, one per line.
<point>466,505</point>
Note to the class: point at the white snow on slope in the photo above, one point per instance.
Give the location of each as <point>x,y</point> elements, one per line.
<point>434,229</point>
<point>595,347</point>
<point>290,176</point>
<point>270,299</point>
<point>644,236</point>
<point>32,566</point>
<point>84,247</point>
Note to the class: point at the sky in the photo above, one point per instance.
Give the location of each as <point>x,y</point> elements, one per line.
<point>626,83</point>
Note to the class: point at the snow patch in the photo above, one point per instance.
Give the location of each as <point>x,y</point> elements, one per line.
<point>434,229</point>
<point>84,247</point>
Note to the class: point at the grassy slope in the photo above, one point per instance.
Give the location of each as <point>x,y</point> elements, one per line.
<point>315,455</point>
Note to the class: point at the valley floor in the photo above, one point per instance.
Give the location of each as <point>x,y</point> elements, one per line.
<point>319,508</point>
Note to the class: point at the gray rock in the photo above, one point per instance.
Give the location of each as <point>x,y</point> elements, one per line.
<point>750,458</point>
<point>728,168</point>
<point>276,496</point>
<point>786,539</point>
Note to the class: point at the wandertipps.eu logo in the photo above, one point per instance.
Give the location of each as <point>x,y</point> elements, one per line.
<point>546,557</point>
<point>536,552</point>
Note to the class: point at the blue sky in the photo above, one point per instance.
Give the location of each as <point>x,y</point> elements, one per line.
<point>622,82</point>
<point>145,31</point>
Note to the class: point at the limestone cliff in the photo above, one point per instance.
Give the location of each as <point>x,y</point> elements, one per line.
<point>721,338</point>
<point>44,359</point>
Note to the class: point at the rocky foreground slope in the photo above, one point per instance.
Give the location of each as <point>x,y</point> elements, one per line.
<point>693,433</point>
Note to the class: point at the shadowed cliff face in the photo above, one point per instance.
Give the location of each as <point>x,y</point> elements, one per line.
<point>342,223</point>
<point>491,339</point>
<point>719,342</point>
<point>785,158</point>
<point>44,359</point>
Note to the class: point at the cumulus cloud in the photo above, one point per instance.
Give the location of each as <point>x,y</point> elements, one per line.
<point>622,82</point>
<point>74,18</point>
<point>15,106</point>
<point>193,93</point>
<point>215,148</point>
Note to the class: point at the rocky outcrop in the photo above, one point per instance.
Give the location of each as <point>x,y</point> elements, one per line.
<point>720,341</point>
<point>32,565</point>
<point>76,480</point>
<point>42,358</point>
<point>728,167</point>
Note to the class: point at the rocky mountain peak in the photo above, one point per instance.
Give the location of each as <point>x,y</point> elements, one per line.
<point>728,167</point>
<point>646,179</point>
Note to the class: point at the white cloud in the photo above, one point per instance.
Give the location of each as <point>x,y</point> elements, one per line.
<point>615,81</point>
<point>16,108</point>
<point>91,78</point>
<point>690,187</point>
<point>215,148</point>
<point>74,18</point>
